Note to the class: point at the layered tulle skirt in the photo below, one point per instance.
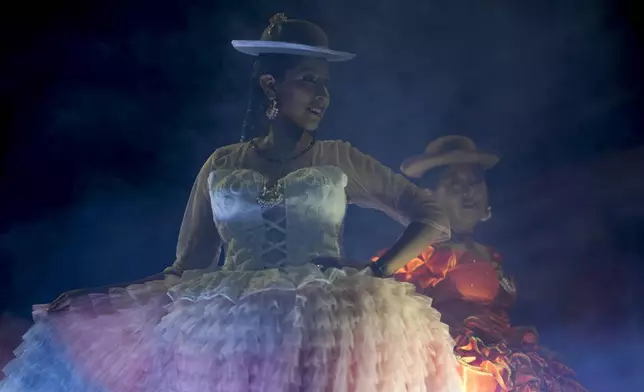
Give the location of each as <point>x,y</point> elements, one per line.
<point>287,329</point>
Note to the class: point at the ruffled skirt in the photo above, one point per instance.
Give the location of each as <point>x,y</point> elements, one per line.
<point>288,329</point>
<point>512,361</point>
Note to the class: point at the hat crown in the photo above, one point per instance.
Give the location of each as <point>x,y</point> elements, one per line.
<point>282,29</point>
<point>449,144</point>
<point>448,150</point>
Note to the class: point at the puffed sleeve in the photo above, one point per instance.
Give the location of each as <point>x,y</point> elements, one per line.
<point>425,270</point>
<point>373,185</point>
<point>199,244</point>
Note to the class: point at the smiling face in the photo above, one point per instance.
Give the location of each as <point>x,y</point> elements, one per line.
<point>302,95</point>
<point>462,191</point>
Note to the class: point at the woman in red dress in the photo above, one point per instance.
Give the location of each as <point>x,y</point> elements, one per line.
<point>467,283</point>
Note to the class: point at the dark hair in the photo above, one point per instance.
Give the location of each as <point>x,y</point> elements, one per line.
<point>269,64</point>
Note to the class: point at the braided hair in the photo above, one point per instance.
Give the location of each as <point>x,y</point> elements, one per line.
<point>255,120</point>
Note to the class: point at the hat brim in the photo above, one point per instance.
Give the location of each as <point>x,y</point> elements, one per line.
<point>255,48</point>
<point>416,167</point>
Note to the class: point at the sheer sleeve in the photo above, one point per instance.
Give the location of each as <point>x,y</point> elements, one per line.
<point>373,185</point>
<point>199,244</point>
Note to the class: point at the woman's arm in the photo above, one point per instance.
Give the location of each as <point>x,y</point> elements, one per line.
<point>373,185</point>
<point>199,244</point>
<point>427,269</point>
<point>413,241</point>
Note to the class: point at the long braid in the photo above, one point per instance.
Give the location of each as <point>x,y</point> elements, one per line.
<point>248,126</point>
<point>254,109</point>
<point>254,118</point>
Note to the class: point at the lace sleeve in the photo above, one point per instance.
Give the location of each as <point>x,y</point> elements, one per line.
<point>373,185</point>
<point>199,244</point>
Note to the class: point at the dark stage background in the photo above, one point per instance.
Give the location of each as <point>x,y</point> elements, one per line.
<point>111,107</point>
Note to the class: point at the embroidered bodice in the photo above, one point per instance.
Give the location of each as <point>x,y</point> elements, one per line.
<point>301,223</point>
<point>302,219</point>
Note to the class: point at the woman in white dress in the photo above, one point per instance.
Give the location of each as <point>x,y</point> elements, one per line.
<point>285,312</point>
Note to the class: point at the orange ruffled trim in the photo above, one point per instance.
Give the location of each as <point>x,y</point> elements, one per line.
<point>472,352</point>
<point>515,361</point>
<point>423,270</point>
<point>518,366</point>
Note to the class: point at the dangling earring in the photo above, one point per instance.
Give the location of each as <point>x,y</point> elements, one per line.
<point>487,216</point>
<point>272,110</point>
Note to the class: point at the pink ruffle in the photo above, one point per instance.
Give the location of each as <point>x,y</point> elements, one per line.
<point>109,336</point>
<point>292,329</point>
